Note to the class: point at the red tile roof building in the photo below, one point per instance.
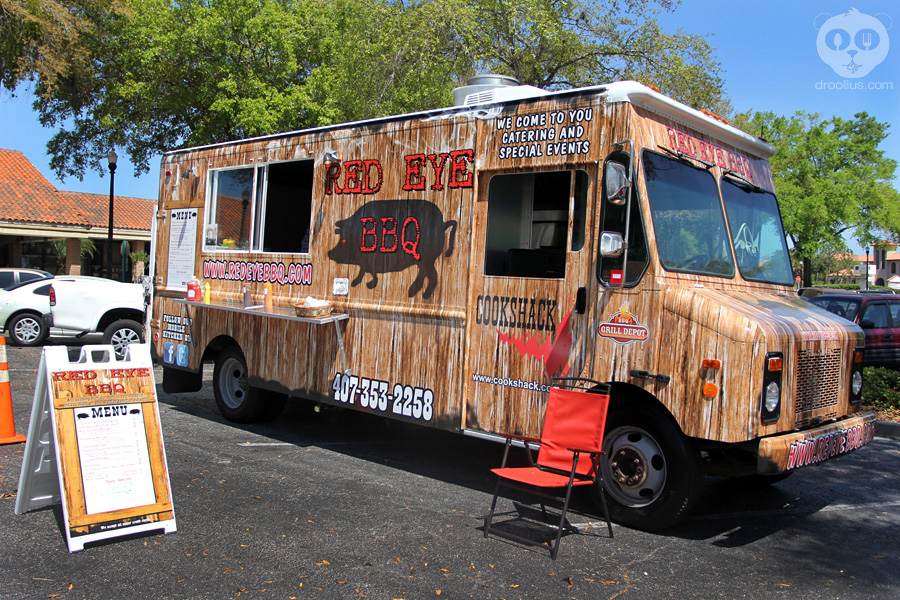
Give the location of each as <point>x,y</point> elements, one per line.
<point>32,211</point>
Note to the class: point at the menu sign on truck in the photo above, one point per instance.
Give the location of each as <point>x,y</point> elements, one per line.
<point>182,243</point>
<point>110,462</point>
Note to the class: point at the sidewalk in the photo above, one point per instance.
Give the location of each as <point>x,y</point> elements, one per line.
<point>887,429</point>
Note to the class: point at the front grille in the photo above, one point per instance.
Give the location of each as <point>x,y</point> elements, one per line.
<point>818,385</point>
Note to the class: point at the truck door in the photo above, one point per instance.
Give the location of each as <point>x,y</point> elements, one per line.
<point>529,288</point>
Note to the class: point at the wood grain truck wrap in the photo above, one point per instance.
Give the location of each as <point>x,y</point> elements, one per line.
<point>471,254</point>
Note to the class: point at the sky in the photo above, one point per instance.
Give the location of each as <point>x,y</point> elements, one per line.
<point>769,50</point>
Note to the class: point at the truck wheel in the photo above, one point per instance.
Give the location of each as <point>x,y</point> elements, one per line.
<point>236,399</point>
<point>122,333</point>
<point>26,330</point>
<point>651,471</point>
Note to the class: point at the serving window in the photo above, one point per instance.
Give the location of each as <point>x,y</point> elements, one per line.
<point>528,222</point>
<point>263,208</point>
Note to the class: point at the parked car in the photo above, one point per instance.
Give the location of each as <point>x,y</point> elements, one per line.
<point>72,306</point>
<point>25,311</point>
<point>12,276</point>
<point>879,317</point>
<point>812,292</point>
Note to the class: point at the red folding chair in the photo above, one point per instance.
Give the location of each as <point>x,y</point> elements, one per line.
<point>570,448</point>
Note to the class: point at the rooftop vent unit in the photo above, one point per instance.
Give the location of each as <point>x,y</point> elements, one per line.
<point>487,89</point>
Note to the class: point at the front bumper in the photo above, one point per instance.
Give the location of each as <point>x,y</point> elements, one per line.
<point>790,451</point>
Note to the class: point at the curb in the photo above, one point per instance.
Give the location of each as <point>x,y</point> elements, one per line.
<point>887,429</point>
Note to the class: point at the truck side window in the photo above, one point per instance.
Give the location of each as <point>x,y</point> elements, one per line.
<point>230,210</point>
<point>288,206</point>
<point>264,209</point>
<point>528,222</point>
<point>614,220</point>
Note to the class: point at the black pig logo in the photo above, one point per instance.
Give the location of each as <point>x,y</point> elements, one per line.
<point>386,236</point>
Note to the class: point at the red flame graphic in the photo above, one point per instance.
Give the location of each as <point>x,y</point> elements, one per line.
<point>555,355</point>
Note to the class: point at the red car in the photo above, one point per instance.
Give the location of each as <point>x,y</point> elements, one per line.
<point>879,318</point>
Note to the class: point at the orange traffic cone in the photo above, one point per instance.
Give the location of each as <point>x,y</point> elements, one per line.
<point>8,433</point>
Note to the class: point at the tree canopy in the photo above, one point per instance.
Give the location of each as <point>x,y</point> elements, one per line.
<point>831,178</point>
<point>148,76</point>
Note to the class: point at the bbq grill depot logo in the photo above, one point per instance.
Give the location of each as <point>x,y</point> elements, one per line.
<point>623,328</point>
<point>852,43</point>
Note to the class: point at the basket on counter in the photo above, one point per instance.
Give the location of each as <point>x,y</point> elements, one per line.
<point>312,311</point>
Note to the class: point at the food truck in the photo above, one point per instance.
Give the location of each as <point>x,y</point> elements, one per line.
<point>471,254</point>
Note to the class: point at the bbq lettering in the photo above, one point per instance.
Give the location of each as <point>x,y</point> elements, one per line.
<point>389,236</point>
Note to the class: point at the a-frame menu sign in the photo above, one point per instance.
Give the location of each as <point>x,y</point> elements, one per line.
<point>95,444</point>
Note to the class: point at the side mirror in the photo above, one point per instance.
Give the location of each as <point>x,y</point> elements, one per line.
<point>867,324</point>
<point>612,244</point>
<point>617,184</point>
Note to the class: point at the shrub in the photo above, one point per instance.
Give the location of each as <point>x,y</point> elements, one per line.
<point>882,387</point>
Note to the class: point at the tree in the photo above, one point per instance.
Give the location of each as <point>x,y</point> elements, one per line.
<point>147,76</point>
<point>830,178</point>
<point>831,260</point>
<point>558,44</point>
<point>43,39</point>
<point>195,72</point>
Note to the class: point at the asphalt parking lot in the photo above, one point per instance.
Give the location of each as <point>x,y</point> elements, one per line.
<point>343,505</point>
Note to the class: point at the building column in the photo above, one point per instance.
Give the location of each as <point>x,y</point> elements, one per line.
<point>73,256</point>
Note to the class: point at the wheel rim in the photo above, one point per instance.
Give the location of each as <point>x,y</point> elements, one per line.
<point>27,330</point>
<point>122,338</point>
<point>635,470</point>
<point>233,383</point>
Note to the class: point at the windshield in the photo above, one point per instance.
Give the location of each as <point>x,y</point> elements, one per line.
<point>842,307</point>
<point>759,242</point>
<point>687,216</point>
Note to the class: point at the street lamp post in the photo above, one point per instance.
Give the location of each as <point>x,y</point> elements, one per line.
<point>867,267</point>
<point>112,157</point>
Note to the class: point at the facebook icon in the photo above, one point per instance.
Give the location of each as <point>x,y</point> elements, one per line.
<point>169,352</point>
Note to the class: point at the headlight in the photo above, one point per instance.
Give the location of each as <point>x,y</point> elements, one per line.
<point>773,397</point>
<point>770,403</point>
<point>856,376</point>
<point>856,383</point>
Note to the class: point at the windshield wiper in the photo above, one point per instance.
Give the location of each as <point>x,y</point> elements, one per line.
<point>744,182</point>
<point>684,156</point>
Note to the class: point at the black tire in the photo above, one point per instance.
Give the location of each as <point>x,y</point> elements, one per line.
<point>236,399</point>
<point>121,334</point>
<point>26,329</point>
<point>651,471</point>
